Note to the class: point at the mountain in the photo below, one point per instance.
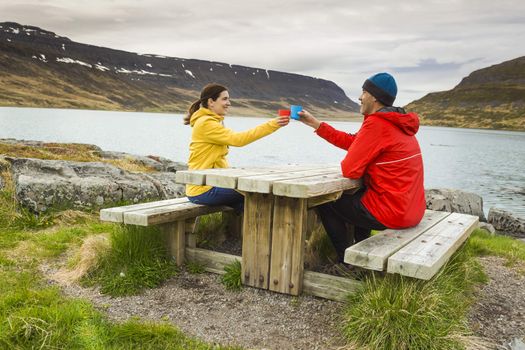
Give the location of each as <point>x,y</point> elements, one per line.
<point>39,68</point>
<point>492,97</point>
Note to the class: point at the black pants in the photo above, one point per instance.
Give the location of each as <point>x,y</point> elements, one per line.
<point>347,209</point>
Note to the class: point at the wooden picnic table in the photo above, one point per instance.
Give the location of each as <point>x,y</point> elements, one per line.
<point>275,216</point>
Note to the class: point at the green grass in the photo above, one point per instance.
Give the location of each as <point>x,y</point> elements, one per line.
<point>482,243</point>
<point>395,312</point>
<point>194,267</point>
<point>138,259</point>
<point>33,316</point>
<point>211,230</point>
<point>232,278</point>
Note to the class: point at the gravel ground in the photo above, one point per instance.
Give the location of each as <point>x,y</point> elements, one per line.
<point>499,312</point>
<point>256,319</point>
<point>252,318</point>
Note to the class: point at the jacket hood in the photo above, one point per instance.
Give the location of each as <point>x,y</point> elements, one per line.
<point>407,122</point>
<point>202,112</point>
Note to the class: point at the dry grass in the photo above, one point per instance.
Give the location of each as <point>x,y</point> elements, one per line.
<point>72,217</point>
<point>130,164</point>
<point>319,249</point>
<point>477,343</point>
<point>51,151</point>
<point>87,259</point>
<point>69,152</point>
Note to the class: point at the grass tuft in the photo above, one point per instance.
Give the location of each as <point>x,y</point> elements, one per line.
<point>138,259</point>
<point>232,278</point>
<point>195,267</point>
<point>396,312</point>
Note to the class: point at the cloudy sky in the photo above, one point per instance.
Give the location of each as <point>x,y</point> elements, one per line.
<point>427,45</point>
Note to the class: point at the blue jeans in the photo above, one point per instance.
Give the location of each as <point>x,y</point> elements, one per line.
<point>220,196</point>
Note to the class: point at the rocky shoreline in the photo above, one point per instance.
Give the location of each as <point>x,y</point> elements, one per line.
<point>42,185</point>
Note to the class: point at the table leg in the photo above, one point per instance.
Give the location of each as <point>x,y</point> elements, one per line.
<point>256,240</point>
<point>289,231</point>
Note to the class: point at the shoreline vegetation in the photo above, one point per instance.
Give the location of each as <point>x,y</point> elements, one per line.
<point>389,312</point>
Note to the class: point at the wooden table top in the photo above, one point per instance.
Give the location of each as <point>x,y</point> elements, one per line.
<point>296,181</point>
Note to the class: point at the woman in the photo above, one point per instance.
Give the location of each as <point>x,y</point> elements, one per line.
<point>210,141</point>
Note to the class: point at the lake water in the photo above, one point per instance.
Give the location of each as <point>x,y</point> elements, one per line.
<point>489,163</point>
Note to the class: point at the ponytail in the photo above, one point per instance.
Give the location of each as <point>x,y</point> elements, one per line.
<point>193,108</point>
<point>209,91</point>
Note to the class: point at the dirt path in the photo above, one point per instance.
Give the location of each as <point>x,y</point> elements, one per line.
<point>255,319</point>
<point>499,312</point>
<point>201,307</point>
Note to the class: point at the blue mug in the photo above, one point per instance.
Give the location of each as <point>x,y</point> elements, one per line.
<point>294,110</point>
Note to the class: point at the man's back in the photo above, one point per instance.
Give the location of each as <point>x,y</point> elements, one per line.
<point>386,143</point>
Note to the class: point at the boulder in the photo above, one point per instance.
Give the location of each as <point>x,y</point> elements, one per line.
<point>455,201</point>
<point>506,223</point>
<point>487,227</point>
<point>44,184</point>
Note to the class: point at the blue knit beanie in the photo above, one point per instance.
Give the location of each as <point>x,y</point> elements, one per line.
<point>383,87</point>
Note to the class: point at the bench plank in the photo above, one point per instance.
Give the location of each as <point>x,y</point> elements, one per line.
<point>314,186</point>
<point>169,213</point>
<point>263,183</point>
<point>116,214</point>
<point>374,252</point>
<point>424,256</point>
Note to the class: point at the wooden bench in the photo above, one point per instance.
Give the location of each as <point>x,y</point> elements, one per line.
<point>417,252</point>
<point>175,217</point>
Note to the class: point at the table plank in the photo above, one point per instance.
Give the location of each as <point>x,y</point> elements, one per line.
<point>423,257</point>
<point>314,186</point>
<point>373,253</point>
<point>264,183</point>
<point>229,179</point>
<point>117,214</point>
<point>199,176</point>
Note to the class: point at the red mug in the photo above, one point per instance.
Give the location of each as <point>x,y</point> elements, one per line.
<point>283,112</point>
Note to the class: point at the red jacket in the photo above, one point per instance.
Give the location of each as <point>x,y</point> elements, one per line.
<point>386,154</point>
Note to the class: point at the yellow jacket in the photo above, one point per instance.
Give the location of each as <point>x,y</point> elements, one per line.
<point>210,141</point>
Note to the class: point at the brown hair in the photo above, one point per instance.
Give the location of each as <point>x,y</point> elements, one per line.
<point>209,91</point>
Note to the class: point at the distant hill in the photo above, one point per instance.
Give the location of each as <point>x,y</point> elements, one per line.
<point>39,68</point>
<point>492,97</point>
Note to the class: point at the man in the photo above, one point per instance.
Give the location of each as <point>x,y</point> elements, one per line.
<point>386,154</point>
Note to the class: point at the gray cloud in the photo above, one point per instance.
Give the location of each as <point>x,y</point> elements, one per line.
<point>429,45</point>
